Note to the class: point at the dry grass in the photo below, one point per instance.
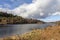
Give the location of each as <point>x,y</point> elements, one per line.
<point>50,33</point>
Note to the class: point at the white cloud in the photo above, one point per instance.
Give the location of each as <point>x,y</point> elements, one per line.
<point>57,13</point>
<point>33,9</point>
<point>5,10</point>
<point>38,9</point>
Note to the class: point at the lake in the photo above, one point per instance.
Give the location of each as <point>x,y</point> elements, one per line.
<point>8,30</point>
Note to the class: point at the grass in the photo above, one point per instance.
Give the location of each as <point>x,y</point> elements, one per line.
<point>49,33</point>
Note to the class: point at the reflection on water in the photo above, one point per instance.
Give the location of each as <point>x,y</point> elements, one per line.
<point>6,30</point>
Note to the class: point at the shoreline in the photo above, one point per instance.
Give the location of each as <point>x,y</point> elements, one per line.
<point>38,34</point>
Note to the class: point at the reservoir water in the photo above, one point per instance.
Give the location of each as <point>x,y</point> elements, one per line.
<point>7,30</point>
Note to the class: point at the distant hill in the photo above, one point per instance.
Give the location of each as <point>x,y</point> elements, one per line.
<point>6,18</point>
<point>57,22</point>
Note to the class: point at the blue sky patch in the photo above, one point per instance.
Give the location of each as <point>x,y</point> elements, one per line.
<point>13,3</point>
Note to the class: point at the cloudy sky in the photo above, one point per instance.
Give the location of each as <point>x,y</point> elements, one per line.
<point>46,10</point>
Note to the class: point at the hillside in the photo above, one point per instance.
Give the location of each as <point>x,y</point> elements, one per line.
<point>56,22</point>
<point>14,19</point>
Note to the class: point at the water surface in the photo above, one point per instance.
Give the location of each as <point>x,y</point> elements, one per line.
<point>7,30</point>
